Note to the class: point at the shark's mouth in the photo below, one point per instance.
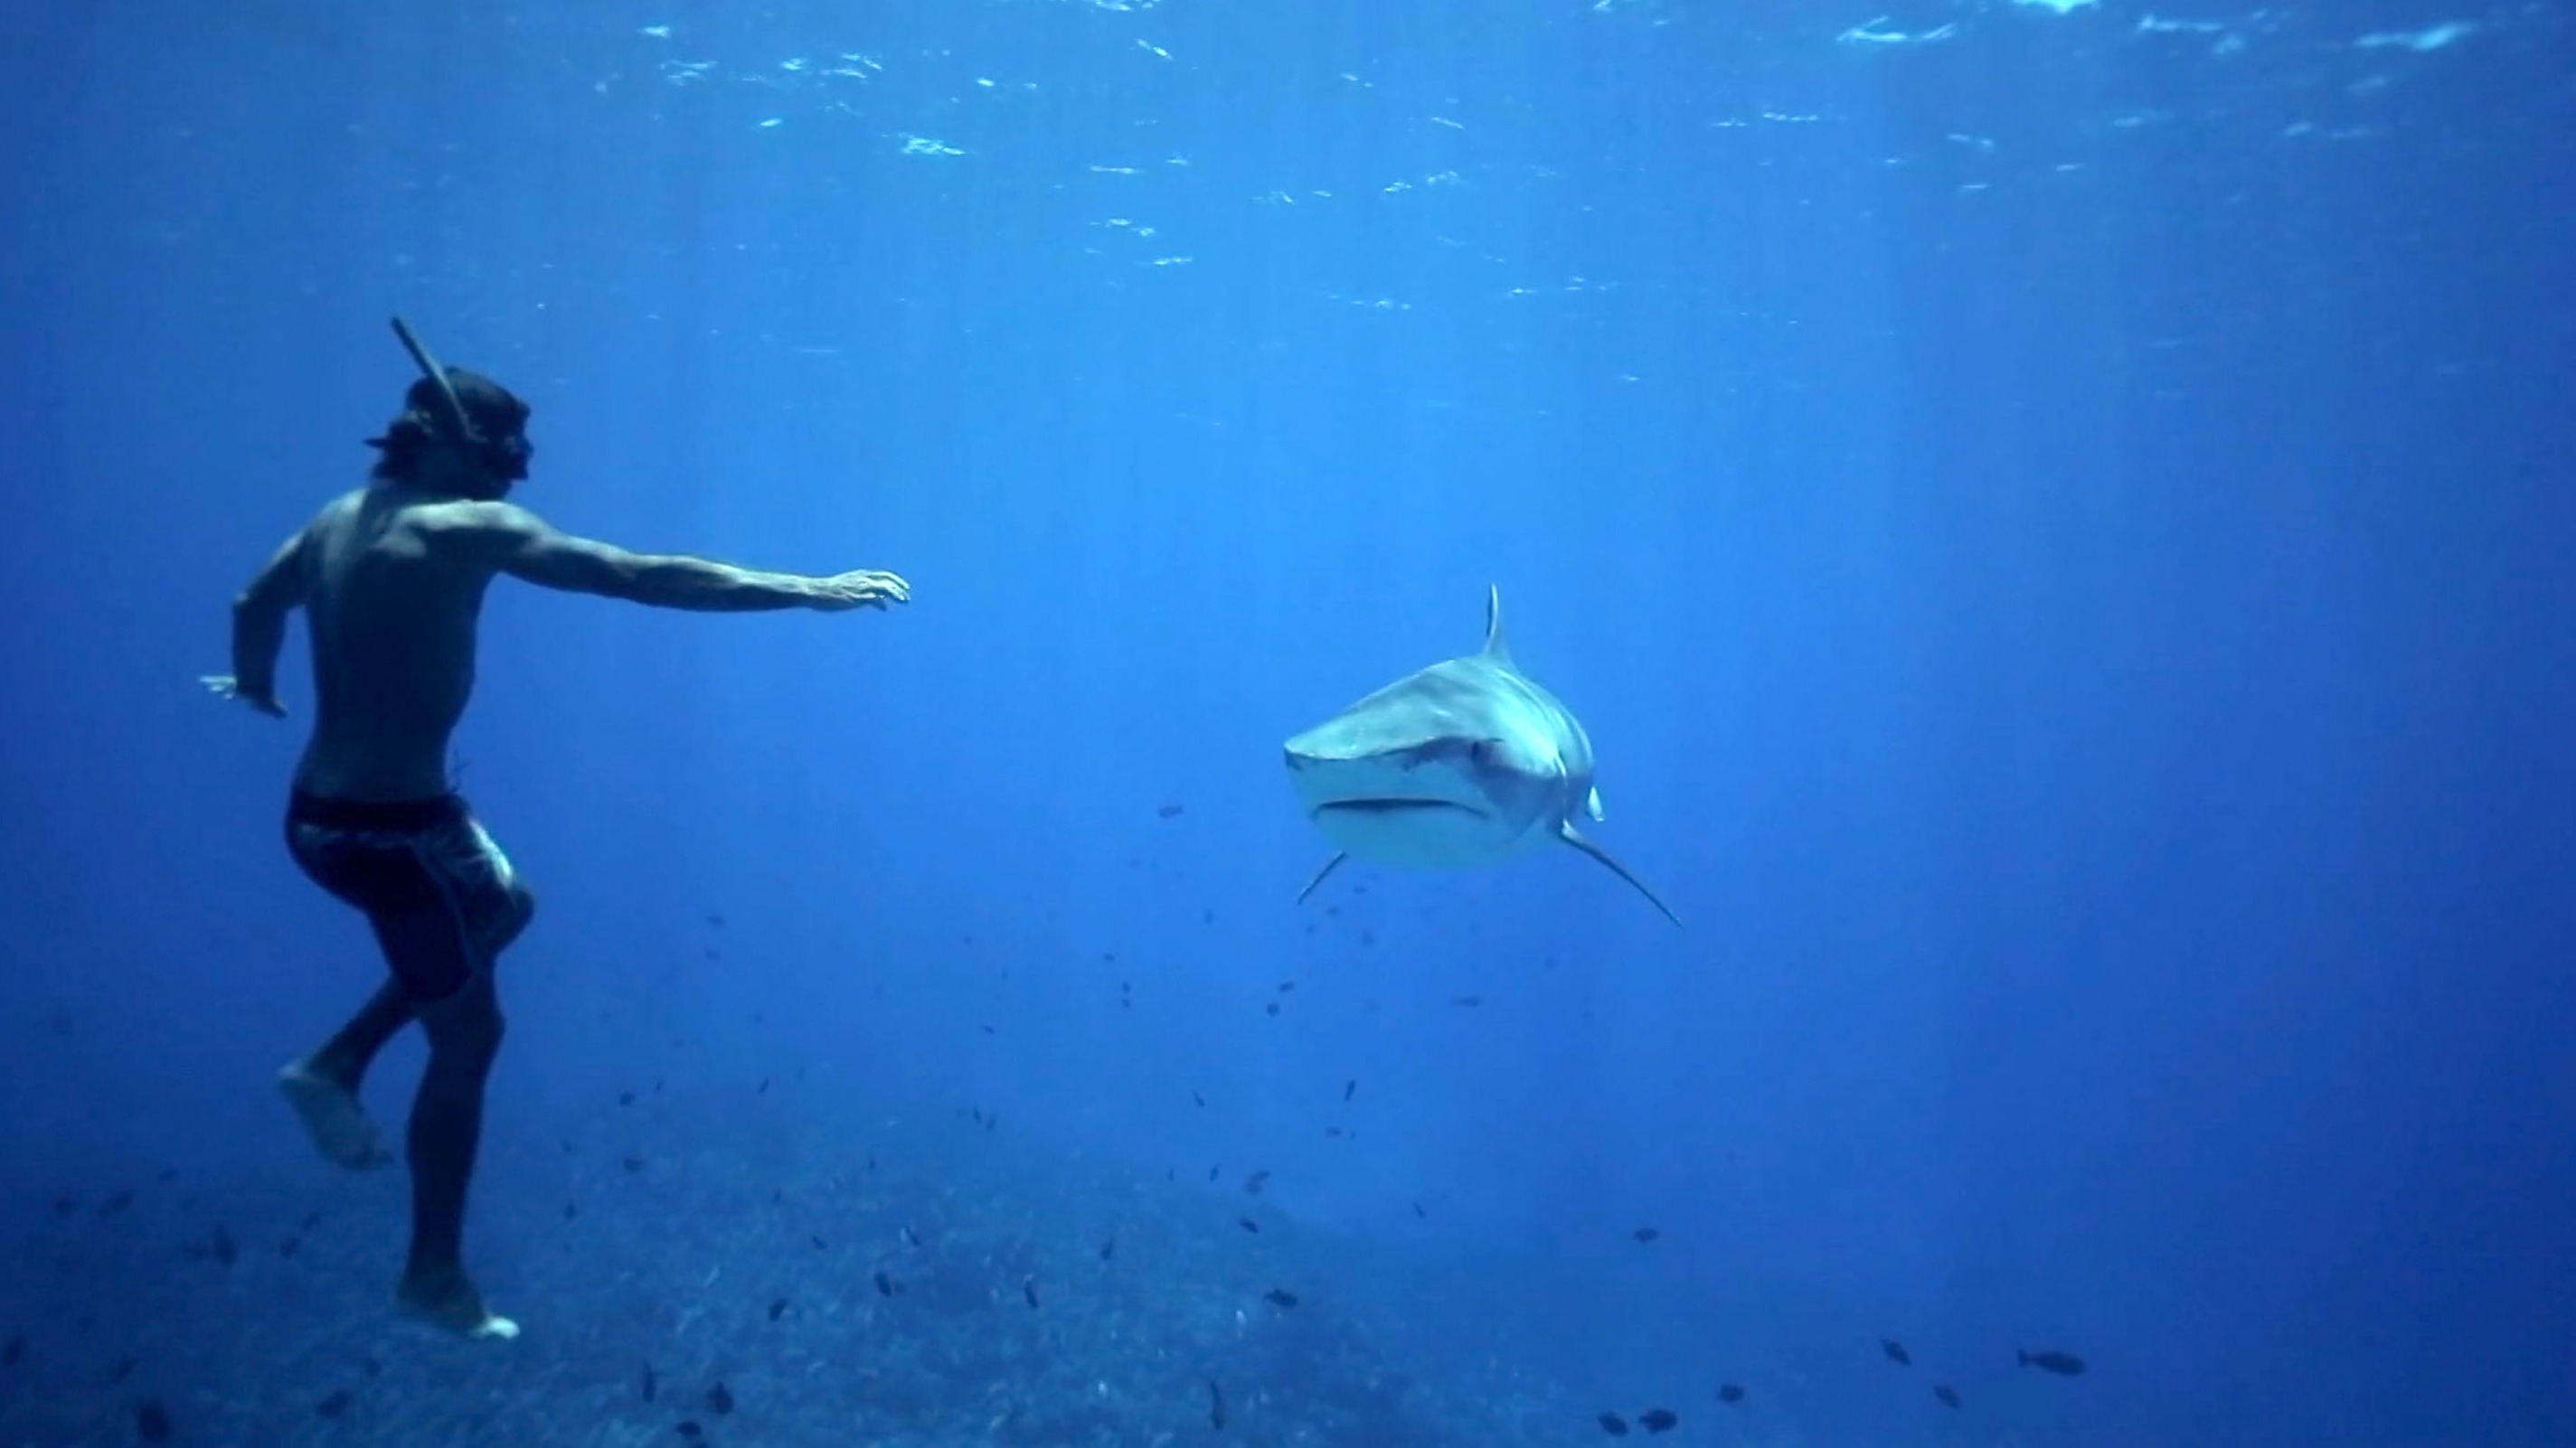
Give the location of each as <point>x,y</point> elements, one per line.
<point>1390,808</point>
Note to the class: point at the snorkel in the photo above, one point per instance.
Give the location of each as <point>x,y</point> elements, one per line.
<point>460,429</point>
<point>504,459</point>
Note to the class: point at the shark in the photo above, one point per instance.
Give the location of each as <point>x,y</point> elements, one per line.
<point>1464,764</point>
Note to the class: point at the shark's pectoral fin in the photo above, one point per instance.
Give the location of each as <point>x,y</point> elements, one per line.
<point>1566,831</point>
<point>1335,863</point>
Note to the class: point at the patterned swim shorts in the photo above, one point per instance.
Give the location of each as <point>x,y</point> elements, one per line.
<point>443,899</point>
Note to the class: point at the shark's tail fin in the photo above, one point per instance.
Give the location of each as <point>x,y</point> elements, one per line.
<point>1572,836</point>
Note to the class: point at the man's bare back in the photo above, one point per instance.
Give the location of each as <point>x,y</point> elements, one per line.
<point>392,613</point>
<point>392,577</point>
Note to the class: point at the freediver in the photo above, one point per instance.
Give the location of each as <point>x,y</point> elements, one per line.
<point>391,576</point>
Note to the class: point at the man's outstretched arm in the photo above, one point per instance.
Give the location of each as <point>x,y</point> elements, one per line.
<point>259,627</point>
<point>510,539</point>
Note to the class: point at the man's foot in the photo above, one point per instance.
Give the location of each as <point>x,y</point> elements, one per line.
<point>447,1300</point>
<point>338,1124</point>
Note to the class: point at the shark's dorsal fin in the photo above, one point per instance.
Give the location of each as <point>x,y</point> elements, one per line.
<point>1566,831</point>
<point>1330,866</point>
<point>1495,647</point>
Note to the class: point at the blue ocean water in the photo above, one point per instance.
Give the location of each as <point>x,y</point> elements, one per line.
<point>2056,517</point>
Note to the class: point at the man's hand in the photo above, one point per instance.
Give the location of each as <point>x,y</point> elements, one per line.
<point>225,686</point>
<point>860,588</point>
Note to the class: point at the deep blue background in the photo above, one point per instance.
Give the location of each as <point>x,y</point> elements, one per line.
<point>2061,536</point>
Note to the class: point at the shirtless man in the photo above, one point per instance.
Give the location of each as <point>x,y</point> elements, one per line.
<point>391,577</point>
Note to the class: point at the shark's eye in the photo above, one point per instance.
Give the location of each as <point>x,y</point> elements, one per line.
<point>1485,751</point>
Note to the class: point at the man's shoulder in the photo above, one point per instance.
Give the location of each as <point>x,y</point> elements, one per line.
<point>472,520</point>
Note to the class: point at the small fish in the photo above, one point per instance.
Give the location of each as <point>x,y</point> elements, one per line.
<point>123,1369</point>
<point>763,1088</point>
<point>1247,1224</point>
<point>910,1235</point>
<point>1167,812</point>
<point>1216,1405</point>
<point>886,1286</point>
<point>1029,1290</point>
<point>632,1163</point>
<point>1646,1234</point>
<point>1613,1424</point>
<point>290,1246</point>
<point>1108,1248</point>
<point>625,1098</point>
<point>1897,1354</point>
<point>1477,1000</point>
<point>311,1220</point>
<point>571,1211</point>
<point>13,1350</point>
<point>1338,1132</point>
<point>1350,1086</point>
<point>1201,1100</point>
<point>649,1382</point>
<point>1280,1297</point>
<point>988,1030</point>
<point>688,1428</point>
<point>152,1421</point>
<point>1417,1211</point>
<point>719,1400</point>
<point>1255,1182</point>
<point>332,1406</point>
<point>1946,1393</point>
<point>65,1204</point>
<point>1271,1009</point>
<point>777,1309</point>
<point>818,1243</point>
<point>1286,986</point>
<point>1730,1392</point>
<point>114,1205</point>
<point>1658,1420</point>
<point>716,920</point>
<point>2064,1364</point>
<point>1212,1171</point>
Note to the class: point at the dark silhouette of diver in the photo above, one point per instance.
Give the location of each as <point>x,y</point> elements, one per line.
<point>391,577</point>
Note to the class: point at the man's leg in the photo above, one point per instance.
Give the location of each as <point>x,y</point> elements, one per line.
<point>444,903</point>
<point>323,1087</point>
<point>446,1127</point>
